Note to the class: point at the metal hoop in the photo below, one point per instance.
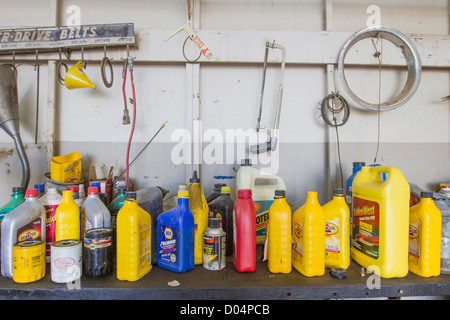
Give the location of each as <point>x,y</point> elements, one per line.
<point>107,61</point>
<point>184,54</point>
<point>58,68</point>
<point>412,60</point>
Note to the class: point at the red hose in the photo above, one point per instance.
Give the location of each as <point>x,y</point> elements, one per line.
<point>133,123</point>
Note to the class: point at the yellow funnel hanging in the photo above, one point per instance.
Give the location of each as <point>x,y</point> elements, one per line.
<point>75,78</point>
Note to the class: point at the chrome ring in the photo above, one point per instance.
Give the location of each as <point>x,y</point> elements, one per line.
<point>411,57</point>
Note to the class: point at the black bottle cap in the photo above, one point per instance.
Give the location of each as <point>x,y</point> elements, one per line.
<point>425,194</point>
<point>218,186</point>
<point>246,162</point>
<point>359,164</point>
<point>130,195</point>
<point>338,192</point>
<point>280,193</point>
<point>194,178</point>
<point>17,189</point>
<point>214,223</point>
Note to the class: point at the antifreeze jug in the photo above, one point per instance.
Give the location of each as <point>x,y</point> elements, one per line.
<point>134,228</point>
<point>200,210</point>
<point>17,198</point>
<point>279,235</point>
<point>263,186</point>
<point>26,222</point>
<point>308,250</point>
<point>176,236</point>
<point>425,223</point>
<point>380,221</point>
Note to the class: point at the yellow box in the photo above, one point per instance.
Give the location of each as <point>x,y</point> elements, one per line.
<point>66,168</point>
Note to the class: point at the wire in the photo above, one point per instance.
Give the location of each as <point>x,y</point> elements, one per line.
<point>378,55</point>
<point>133,122</point>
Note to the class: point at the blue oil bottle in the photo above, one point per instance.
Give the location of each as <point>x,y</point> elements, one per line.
<point>176,236</point>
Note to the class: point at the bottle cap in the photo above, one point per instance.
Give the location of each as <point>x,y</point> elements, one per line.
<point>183,194</point>
<point>31,193</point>
<point>338,273</point>
<point>92,190</point>
<point>194,178</point>
<point>214,223</point>
<point>182,187</point>
<point>39,186</point>
<point>95,184</point>
<point>130,195</point>
<point>218,186</point>
<point>244,193</point>
<point>280,193</point>
<point>425,194</point>
<point>338,192</point>
<point>225,190</point>
<point>73,189</point>
<point>246,163</point>
<point>17,189</point>
<point>359,164</point>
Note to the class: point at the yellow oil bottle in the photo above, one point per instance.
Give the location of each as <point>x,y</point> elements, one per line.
<point>380,222</point>
<point>200,210</point>
<point>134,228</point>
<point>308,250</point>
<point>279,235</point>
<point>337,231</point>
<point>425,222</point>
<point>67,218</point>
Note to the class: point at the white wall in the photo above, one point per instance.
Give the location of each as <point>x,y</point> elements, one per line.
<point>414,137</point>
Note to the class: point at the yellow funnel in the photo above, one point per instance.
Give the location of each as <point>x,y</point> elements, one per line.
<point>75,78</point>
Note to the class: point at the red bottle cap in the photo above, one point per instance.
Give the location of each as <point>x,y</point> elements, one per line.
<point>245,193</point>
<point>92,190</point>
<point>74,189</point>
<point>31,193</point>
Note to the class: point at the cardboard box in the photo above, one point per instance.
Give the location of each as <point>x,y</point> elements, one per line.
<point>106,184</point>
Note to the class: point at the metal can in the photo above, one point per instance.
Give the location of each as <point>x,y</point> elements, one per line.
<point>98,252</point>
<point>28,261</point>
<point>214,246</point>
<point>66,264</point>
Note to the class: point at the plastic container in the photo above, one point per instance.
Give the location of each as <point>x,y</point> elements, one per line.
<point>134,228</point>
<point>66,168</point>
<point>151,200</point>
<point>76,195</point>
<point>337,231</point>
<point>216,192</point>
<point>280,235</point>
<point>244,235</point>
<point>214,246</point>
<point>60,186</point>
<point>425,222</point>
<point>348,185</point>
<point>380,221</point>
<point>94,213</point>
<point>41,189</point>
<point>176,236</point>
<point>200,210</point>
<point>222,208</point>
<point>114,208</point>
<point>445,189</point>
<point>308,250</point>
<point>67,218</point>
<point>26,222</point>
<point>263,186</point>
<point>17,198</point>
<point>50,200</point>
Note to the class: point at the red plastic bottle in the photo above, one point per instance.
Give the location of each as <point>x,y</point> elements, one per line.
<point>244,232</point>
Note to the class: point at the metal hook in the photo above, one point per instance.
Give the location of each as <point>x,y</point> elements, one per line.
<point>106,61</point>
<point>82,58</point>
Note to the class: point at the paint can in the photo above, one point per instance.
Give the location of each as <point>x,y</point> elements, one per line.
<point>214,246</point>
<point>66,264</point>
<point>98,252</point>
<point>28,261</point>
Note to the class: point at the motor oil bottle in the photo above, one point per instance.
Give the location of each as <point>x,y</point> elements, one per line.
<point>76,195</point>
<point>244,235</point>
<point>216,192</point>
<point>200,210</point>
<point>50,200</point>
<point>425,222</point>
<point>337,231</point>
<point>26,222</point>
<point>67,218</point>
<point>279,235</point>
<point>134,228</point>
<point>175,229</point>
<point>263,186</point>
<point>222,208</point>
<point>380,221</point>
<point>17,198</point>
<point>308,250</point>
<point>94,213</point>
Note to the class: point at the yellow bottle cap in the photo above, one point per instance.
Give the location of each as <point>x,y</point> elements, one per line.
<point>183,194</point>
<point>225,190</point>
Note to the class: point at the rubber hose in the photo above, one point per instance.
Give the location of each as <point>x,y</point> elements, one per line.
<point>24,160</point>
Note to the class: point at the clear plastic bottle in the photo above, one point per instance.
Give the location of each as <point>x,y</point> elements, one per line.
<point>50,200</point>
<point>26,222</point>
<point>17,198</point>
<point>94,213</point>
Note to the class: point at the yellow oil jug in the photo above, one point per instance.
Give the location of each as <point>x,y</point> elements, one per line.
<point>425,224</point>
<point>67,218</point>
<point>337,231</point>
<point>200,210</point>
<point>380,222</point>
<point>308,250</point>
<point>279,235</point>
<point>134,228</point>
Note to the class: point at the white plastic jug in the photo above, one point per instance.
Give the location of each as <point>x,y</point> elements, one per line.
<point>263,186</point>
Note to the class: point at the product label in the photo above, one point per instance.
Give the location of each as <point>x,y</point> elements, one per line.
<point>31,231</point>
<point>262,216</point>
<point>414,241</point>
<point>145,245</point>
<point>50,225</point>
<point>168,246</point>
<point>332,239</point>
<point>94,244</point>
<point>297,247</point>
<point>214,248</point>
<point>366,227</point>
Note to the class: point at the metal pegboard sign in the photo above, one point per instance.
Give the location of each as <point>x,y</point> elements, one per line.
<point>49,39</point>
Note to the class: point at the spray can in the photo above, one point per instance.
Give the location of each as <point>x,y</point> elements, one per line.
<point>66,265</point>
<point>28,261</point>
<point>244,239</point>
<point>98,252</point>
<point>67,218</point>
<point>50,200</point>
<point>308,250</point>
<point>26,222</point>
<point>16,200</point>
<point>214,246</point>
